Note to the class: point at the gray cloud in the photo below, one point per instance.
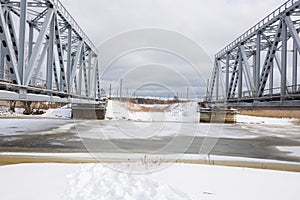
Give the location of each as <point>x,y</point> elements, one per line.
<point>210,24</point>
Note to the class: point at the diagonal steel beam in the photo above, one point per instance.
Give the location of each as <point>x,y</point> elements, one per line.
<point>247,69</point>
<point>268,62</point>
<point>13,35</point>
<point>55,75</point>
<point>41,59</point>
<point>75,63</point>
<point>38,46</point>
<point>233,76</point>
<point>63,83</point>
<point>293,31</point>
<point>213,81</point>
<point>7,44</point>
<point>276,54</point>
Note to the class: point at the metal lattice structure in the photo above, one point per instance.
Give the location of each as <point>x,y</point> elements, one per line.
<point>262,64</point>
<point>44,51</point>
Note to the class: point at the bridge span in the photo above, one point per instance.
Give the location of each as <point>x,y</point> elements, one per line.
<point>45,55</point>
<point>261,67</point>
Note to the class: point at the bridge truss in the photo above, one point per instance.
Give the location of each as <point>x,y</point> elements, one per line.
<point>44,51</point>
<point>262,64</point>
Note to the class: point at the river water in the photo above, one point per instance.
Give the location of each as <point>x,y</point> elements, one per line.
<point>251,140</point>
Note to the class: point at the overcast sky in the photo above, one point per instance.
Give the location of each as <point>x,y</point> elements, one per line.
<point>209,24</point>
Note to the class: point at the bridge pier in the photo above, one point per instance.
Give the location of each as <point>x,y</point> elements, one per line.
<point>217,114</point>
<point>89,111</point>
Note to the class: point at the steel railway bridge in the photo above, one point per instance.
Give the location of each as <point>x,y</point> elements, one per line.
<point>45,55</point>
<point>261,67</point>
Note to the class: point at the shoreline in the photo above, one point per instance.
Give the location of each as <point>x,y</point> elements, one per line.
<point>291,113</point>
<point>267,165</point>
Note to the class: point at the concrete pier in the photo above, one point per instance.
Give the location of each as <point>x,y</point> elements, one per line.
<point>88,111</point>
<point>218,115</point>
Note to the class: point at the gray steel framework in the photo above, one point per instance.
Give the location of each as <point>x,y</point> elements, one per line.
<point>262,64</point>
<point>43,50</point>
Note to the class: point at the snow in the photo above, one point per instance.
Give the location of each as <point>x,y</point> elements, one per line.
<point>293,151</point>
<point>122,129</point>
<point>180,112</point>
<point>34,181</point>
<point>63,112</point>
<point>219,183</point>
<point>263,120</point>
<point>99,182</point>
<point>5,112</point>
<point>178,181</point>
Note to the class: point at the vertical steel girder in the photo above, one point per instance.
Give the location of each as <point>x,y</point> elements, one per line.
<point>257,60</point>
<point>50,59</point>
<point>283,59</point>
<point>295,68</point>
<point>21,59</point>
<point>249,61</point>
<point>217,80</point>
<point>227,76</point>
<point>81,60</point>
<point>97,78</point>
<point>89,78</point>
<point>69,59</point>
<point>2,62</point>
<point>56,55</point>
<point>213,81</point>
<point>85,75</point>
<point>240,76</point>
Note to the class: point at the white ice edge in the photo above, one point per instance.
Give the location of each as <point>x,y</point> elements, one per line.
<point>293,151</point>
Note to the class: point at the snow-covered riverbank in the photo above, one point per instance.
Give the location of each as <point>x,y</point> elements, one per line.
<point>178,181</point>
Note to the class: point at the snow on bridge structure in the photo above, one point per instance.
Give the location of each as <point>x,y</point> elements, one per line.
<point>45,55</point>
<point>261,67</point>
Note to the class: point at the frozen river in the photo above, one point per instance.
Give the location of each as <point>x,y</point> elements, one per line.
<point>252,140</point>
